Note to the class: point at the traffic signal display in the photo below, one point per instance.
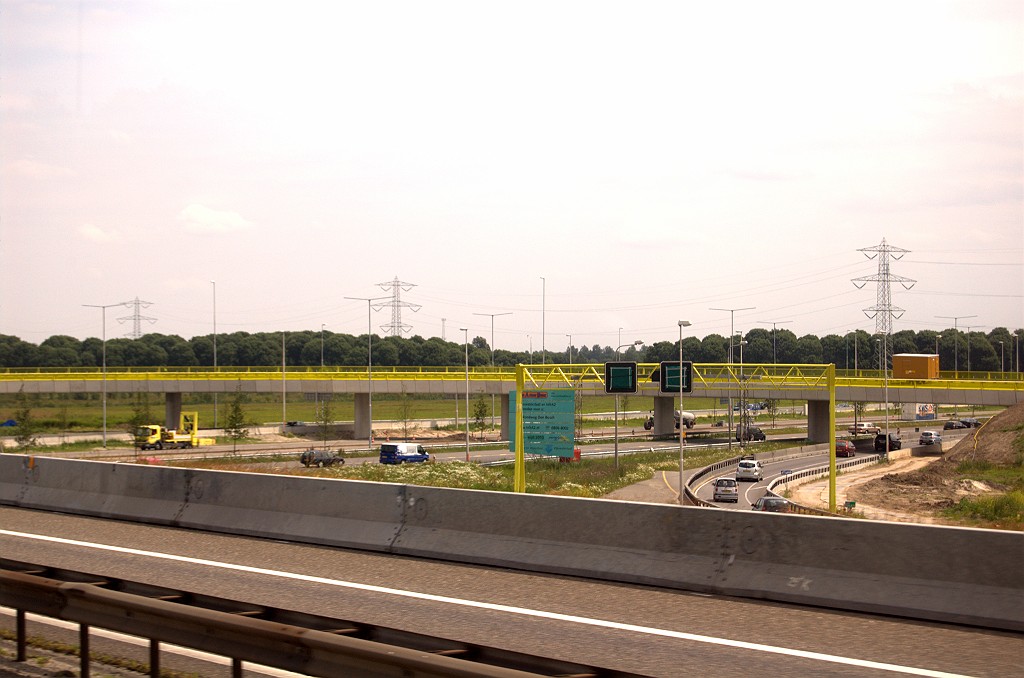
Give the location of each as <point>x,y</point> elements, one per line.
<point>620,377</point>
<point>671,374</point>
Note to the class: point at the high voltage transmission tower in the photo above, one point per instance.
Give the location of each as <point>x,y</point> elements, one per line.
<point>136,317</point>
<point>396,328</point>
<point>884,311</point>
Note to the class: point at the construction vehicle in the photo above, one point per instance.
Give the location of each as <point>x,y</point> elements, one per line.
<point>156,437</point>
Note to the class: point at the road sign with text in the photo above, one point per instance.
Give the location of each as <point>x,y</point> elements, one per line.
<point>620,377</point>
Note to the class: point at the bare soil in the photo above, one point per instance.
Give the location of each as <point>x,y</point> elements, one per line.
<point>927,490</point>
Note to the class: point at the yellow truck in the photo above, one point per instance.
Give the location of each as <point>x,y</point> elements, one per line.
<point>915,366</point>
<point>156,437</point>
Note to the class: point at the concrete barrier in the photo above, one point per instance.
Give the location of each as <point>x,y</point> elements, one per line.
<point>947,574</point>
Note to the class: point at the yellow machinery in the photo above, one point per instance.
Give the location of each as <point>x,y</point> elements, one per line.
<point>156,437</point>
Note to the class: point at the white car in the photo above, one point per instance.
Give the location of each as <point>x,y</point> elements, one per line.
<point>726,489</point>
<point>749,469</point>
<point>929,438</point>
<point>863,428</point>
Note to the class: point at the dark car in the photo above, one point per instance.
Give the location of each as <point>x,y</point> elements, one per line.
<point>320,458</point>
<point>773,504</point>
<point>844,448</point>
<point>747,433</point>
<point>954,424</point>
<point>894,442</point>
<point>970,422</point>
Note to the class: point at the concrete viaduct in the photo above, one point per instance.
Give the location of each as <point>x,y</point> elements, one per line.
<point>811,383</point>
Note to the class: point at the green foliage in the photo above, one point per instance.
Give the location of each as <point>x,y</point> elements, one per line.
<point>235,423</point>
<point>1004,510</point>
<point>480,411</point>
<point>27,427</point>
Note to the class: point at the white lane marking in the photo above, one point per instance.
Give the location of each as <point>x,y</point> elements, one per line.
<point>164,647</point>
<point>555,616</point>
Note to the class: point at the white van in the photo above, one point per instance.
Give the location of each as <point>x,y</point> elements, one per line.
<point>402,453</point>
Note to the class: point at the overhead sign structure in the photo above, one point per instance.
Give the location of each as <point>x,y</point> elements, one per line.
<point>671,374</point>
<point>548,422</point>
<point>620,377</point>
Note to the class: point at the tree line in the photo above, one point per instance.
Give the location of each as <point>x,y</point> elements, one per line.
<point>977,351</point>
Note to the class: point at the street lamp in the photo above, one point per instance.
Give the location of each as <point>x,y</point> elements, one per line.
<point>104,314</point>
<point>732,331</point>
<point>1002,355</point>
<point>937,337</point>
<point>465,332</point>
<point>682,324</point>
<point>369,360</point>
<point>214,283</point>
<point>570,348</point>
<point>744,423</point>
<point>543,316</point>
<point>956,350</point>
<point>783,322</point>
<point>635,343</point>
<point>492,354</point>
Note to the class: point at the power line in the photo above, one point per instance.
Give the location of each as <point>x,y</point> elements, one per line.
<point>395,328</point>
<point>136,317</point>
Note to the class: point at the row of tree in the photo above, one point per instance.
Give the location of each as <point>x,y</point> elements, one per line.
<point>997,350</point>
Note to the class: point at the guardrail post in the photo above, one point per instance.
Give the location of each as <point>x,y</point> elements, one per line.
<point>20,631</point>
<point>154,658</point>
<point>83,649</point>
<point>236,667</point>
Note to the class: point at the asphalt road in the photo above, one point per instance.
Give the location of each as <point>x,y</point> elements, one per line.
<point>640,629</point>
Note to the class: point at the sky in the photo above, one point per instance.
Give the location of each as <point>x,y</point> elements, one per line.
<point>594,169</point>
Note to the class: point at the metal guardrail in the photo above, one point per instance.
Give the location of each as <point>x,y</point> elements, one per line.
<point>753,376</point>
<point>288,640</point>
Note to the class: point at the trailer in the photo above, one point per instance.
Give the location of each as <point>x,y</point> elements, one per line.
<point>915,366</point>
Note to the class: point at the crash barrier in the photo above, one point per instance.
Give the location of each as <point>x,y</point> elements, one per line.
<point>269,643</point>
<point>948,574</point>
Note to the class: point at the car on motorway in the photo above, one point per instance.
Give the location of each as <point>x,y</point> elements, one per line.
<point>726,489</point>
<point>971,422</point>
<point>894,442</point>
<point>954,424</point>
<point>772,504</point>
<point>929,438</point>
<point>749,469</point>
<point>747,433</point>
<point>845,448</point>
<point>403,453</point>
<point>320,458</point>
<point>863,428</point>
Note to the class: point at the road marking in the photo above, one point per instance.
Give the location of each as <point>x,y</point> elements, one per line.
<point>542,614</point>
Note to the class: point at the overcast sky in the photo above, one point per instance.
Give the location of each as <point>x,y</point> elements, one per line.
<point>584,166</point>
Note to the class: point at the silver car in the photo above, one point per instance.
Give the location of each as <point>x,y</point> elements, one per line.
<point>749,469</point>
<point>726,489</point>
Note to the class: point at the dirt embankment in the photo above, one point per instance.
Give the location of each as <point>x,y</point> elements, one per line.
<point>925,492</point>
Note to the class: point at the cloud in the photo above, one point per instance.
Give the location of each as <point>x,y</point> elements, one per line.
<point>200,219</point>
<point>33,169</point>
<point>97,234</point>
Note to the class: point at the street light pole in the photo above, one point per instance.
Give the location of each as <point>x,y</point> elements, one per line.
<point>682,324</point>
<point>732,332</point>
<point>773,324</point>
<point>956,350</point>
<point>369,361</point>
<point>570,348</point>
<point>635,343</point>
<point>543,317</point>
<point>741,434</point>
<point>104,308</point>
<point>492,354</point>
<point>1002,356</point>
<point>214,283</point>
<point>465,332</point>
